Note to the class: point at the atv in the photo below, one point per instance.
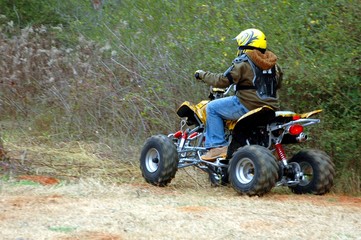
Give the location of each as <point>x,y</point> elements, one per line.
<point>256,160</point>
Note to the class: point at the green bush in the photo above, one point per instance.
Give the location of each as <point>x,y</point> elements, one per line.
<point>31,12</point>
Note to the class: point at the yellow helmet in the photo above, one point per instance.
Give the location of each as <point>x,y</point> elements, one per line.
<point>251,39</point>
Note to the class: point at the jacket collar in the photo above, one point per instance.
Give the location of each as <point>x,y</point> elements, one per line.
<point>263,61</point>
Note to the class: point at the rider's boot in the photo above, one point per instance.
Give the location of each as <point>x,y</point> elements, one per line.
<point>215,153</point>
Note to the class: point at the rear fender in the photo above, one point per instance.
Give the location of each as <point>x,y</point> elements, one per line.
<point>289,114</point>
<point>257,117</point>
<point>310,114</point>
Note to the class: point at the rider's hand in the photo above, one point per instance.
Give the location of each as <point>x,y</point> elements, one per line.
<point>199,74</point>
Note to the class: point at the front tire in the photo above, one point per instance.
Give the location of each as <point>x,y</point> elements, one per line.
<point>253,170</point>
<point>159,160</point>
<point>318,172</point>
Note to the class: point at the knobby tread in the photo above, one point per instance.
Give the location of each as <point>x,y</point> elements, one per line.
<point>266,173</point>
<point>168,162</point>
<point>323,172</point>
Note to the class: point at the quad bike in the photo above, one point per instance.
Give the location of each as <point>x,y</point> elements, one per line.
<point>255,161</point>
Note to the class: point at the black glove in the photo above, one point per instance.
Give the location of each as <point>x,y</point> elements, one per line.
<point>199,74</point>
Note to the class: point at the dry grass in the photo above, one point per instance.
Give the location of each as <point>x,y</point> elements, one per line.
<point>72,161</point>
<point>83,90</point>
<point>68,161</point>
<point>93,210</point>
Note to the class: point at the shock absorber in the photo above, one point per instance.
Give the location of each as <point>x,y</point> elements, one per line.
<point>281,153</point>
<point>183,139</point>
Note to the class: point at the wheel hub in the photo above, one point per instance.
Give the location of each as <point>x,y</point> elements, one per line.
<point>152,160</point>
<point>245,170</point>
<point>307,173</point>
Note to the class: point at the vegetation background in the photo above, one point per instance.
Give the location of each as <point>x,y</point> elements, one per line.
<point>100,79</point>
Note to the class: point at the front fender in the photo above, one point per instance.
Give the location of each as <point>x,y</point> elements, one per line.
<point>193,113</point>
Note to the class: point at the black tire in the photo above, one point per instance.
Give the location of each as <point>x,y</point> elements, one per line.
<point>159,160</point>
<point>218,177</point>
<point>318,170</point>
<point>253,170</point>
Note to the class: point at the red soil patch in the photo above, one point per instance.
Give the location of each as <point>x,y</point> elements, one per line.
<point>193,209</point>
<point>93,236</point>
<point>328,199</point>
<point>40,179</point>
<point>23,201</point>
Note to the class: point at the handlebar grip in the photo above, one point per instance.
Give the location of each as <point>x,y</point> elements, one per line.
<point>196,75</point>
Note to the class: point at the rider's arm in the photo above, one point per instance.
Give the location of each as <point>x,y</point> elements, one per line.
<point>215,79</point>
<point>279,74</point>
<point>238,73</point>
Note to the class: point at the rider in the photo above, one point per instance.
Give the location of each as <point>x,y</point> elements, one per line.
<point>256,76</point>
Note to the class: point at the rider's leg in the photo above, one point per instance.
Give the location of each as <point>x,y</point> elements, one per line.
<point>217,111</point>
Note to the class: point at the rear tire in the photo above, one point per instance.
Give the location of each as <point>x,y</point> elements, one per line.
<point>159,160</point>
<point>253,170</point>
<point>318,170</point>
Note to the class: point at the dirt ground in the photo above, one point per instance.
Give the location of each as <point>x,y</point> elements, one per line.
<point>92,210</point>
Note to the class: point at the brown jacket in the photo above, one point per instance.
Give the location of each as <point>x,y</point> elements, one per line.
<point>243,75</point>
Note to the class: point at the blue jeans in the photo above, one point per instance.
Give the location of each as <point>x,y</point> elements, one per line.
<point>218,110</point>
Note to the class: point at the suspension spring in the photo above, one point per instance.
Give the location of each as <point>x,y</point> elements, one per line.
<point>281,152</point>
